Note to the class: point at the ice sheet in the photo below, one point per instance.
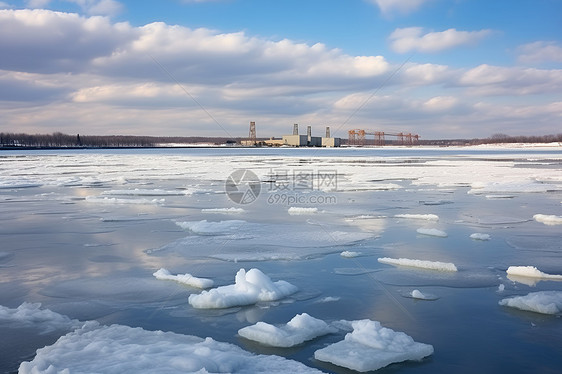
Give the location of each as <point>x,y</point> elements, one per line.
<point>301,328</point>
<point>249,288</point>
<point>371,346</point>
<point>121,349</point>
<point>187,279</point>
<point>545,302</point>
<point>430,265</point>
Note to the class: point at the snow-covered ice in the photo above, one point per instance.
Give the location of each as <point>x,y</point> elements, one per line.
<point>531,272</point>
<point>426,217</point>
<point>205,227</point>
<point>417,294</point>
<point>545,302</point>
<point>480,236</point>
<point>430,265</point>
<point>117,201</point>
<point>143,192</point>
<point>432,232</point>
<point>249,288</point>
<point>122,349</point>
<point>299,329</point>
<point>297,211</point>
<point>187,279</point>
<point>32,315</point>
<point>350,254</point>
<point>548,219</point>
<point>231,210</point>
<point>370,347</point>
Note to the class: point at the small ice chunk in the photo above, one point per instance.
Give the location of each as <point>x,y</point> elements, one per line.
<point>501,287</point>
<point>426,217</point>
<point>545,302</point>
<point>123,349</point>
<point>430,265</point>
<point>531,272</point>
<point>301,328</point>
<point>328,299</point>
<point>480,236</point>
<point>231,210</point>
<point>187,279</point>
<point>432,232</point>
<point>297,211</point>
<point>349,254</point>
<point>547,219</point>
<point>370,347</point>
<point>417,294</point>
<point>249,288</point>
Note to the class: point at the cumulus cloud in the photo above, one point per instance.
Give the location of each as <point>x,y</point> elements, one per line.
<point>413,39</point>
<point>540,52</point>
<point>400,6</point>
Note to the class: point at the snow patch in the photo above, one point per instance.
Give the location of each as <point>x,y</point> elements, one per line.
<point>301,328</point>
<point>370,347</point>
<point>545,302</point>
<point>547,219</point>
<point>432,232</point>
<point>187,279</point>
<point>430,265</point>
<point>249,288</point>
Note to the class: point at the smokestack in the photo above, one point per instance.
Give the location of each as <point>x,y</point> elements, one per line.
<point>309,132</point>
<point>327,131</point>
<point>296,129</point>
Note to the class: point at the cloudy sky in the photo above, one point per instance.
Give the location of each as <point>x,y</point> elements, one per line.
<point>439,68</point>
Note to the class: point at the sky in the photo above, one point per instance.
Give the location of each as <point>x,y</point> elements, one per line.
<point>443,69</point>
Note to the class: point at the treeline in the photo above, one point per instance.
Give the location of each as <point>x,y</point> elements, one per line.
<point>60,140</point>
<point>494,139</point>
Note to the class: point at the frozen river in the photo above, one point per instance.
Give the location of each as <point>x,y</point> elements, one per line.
<point>454,256</point>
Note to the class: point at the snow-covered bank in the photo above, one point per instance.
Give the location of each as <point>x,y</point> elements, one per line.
<point>249,288</point>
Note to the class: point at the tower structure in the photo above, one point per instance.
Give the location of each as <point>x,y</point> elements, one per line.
<point>328,132</point>
<point>296,129</point>
<point>252,134</point>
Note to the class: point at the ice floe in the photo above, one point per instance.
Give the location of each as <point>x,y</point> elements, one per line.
<point>430,265</point>
<point>116,201</point>
<point>370,347</point>
<point>548,219</point>
<point>249,288</point>
<point>31,315</point>
<point>480,236</point>
<point>301,328</point>
<point>205,227</point>
<point>417,294</point>
<point>231,210</point>
<point>188,279</point>
<point>426,217</point>
<point>350,254</point>
<point>530,272</point>
<point>545,302</point>
<point>121,349</point>
<point>296,211</point>
<point>143,192</point>
<point>432,232</point>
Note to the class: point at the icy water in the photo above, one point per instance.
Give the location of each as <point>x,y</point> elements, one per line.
<point>82,233</point>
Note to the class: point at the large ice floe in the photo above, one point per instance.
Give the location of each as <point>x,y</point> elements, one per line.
<point>423,264</point>
<point>188,279</point>
<point>370,347</point>
<point>121,349</point>
<point>545,302</point>
<point>548,219</point>
<point>301,328</point>
<point>522,274</point>
<point>249,288</point>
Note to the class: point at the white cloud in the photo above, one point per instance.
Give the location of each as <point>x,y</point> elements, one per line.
<point>540,52</point>
<point>413,39</point>
<point>440,103</point>
<point>401,6</point>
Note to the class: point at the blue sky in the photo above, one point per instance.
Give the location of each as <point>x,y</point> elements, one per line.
<point>439,68</point>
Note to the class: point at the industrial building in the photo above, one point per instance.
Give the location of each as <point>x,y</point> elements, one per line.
<point>296,140</point>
